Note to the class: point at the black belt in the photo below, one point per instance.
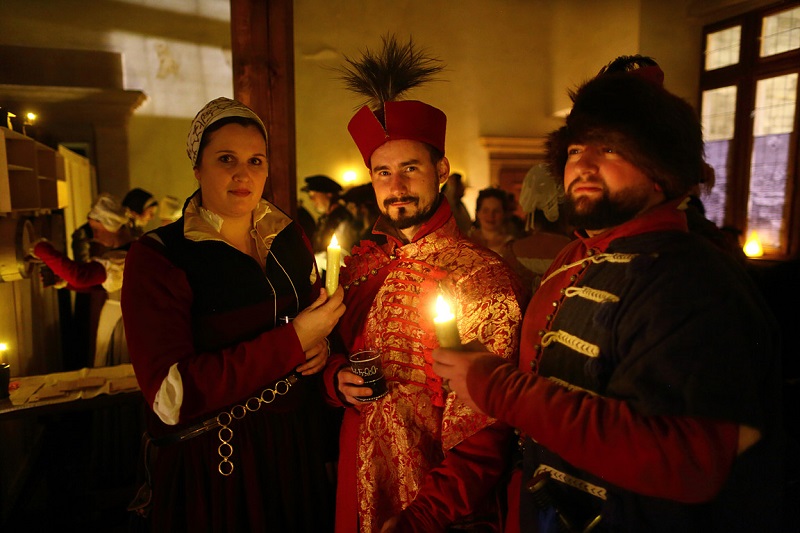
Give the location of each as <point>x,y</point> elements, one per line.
<point>185,434</point>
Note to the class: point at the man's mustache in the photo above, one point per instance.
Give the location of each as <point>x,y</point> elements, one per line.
<point>389,201</point>
<point>585,181</point>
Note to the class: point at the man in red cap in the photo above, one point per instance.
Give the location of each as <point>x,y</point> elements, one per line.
<point>648,388</point>
<point>417,458</point>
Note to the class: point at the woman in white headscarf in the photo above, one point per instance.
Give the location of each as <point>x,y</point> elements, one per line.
<point>102,269</point>
<point>227,323</point>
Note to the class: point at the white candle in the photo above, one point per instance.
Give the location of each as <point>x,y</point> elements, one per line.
<point>5,371</point>
<point>445,324</point>
<point>334,260</point>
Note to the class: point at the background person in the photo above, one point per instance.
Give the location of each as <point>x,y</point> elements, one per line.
<point>493,230</point>
<point>453,191</point>
<point>102,272</point>
<point>306,220</point>
<point>142,208</point>
<point>539,198</point>
<point>363,205</point>
<point>169,210</point>
<point>236,415</point>
<point>491,221</point>
<point>106,229</point>
<point>333,215</point>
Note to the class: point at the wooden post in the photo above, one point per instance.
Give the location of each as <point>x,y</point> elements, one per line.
<point>262,49</point>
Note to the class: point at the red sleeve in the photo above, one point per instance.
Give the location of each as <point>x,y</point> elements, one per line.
<point>78,275</point>
<point>461,483</point>
<point>332,367</point>
<point>156,309</point>
<point>679,458</point>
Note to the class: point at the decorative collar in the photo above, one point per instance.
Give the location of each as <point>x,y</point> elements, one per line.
<point>200,224</point>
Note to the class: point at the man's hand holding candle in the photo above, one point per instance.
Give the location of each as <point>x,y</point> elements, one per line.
<point>455,365</point>
<point>445,324</point>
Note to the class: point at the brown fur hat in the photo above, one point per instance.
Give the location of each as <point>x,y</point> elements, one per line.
<point>651,127</point>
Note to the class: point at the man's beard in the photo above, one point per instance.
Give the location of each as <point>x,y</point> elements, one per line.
<point>401,219</point>
<point>608,211</point>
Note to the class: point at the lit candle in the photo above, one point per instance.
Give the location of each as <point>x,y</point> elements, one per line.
<point>332,272</point>
<point>5,371</point>
<point>752,248</point>
<point>445,324</point>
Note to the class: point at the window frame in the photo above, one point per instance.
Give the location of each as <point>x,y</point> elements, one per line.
<point>745,75</point>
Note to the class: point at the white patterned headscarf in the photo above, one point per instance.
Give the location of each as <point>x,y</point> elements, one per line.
<point>540,191</point>
<point>109,212</point>
<point>213,111</point>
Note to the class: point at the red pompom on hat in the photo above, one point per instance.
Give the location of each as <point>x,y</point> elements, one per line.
<point>406,119</point>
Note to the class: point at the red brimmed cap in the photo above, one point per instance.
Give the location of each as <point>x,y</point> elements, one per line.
<point>405,119</point>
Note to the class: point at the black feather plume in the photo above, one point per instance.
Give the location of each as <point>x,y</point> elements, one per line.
<point>385,75</point>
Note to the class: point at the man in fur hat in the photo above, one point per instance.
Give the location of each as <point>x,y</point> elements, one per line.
<point>646,393</point>
<point>416,458</point>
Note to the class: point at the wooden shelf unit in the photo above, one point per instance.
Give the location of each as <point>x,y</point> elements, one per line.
<point>32,175</point>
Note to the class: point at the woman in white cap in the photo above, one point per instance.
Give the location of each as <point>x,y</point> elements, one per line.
<point>227,324</point>
<point>101,272</point>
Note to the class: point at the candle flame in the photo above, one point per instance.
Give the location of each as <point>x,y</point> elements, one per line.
<point>752,248</point>
<point>443,312</point>
<point>3,347</point>
<point>334,242</point>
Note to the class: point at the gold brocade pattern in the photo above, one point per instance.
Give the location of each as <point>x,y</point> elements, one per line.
<point>408,432</point>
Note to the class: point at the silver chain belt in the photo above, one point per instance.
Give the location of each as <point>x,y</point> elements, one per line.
<point>237,412</point>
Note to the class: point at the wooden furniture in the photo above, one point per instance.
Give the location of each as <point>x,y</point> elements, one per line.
<point>44,193</point>
<point>31,174</point>
<point>70,443</point>
<point>69,391</point>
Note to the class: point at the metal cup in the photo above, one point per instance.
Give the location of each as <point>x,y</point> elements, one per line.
<point>367,364</point>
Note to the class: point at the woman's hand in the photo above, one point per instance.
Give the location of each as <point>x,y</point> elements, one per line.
<point>316,358</point>
<point>316,321</point>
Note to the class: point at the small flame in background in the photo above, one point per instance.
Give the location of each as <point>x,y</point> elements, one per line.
<point>752,247</point>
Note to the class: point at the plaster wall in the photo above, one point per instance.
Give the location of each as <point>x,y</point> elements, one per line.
<point>495,83</point>
<point>509,63</point>
<point>583,37</point>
